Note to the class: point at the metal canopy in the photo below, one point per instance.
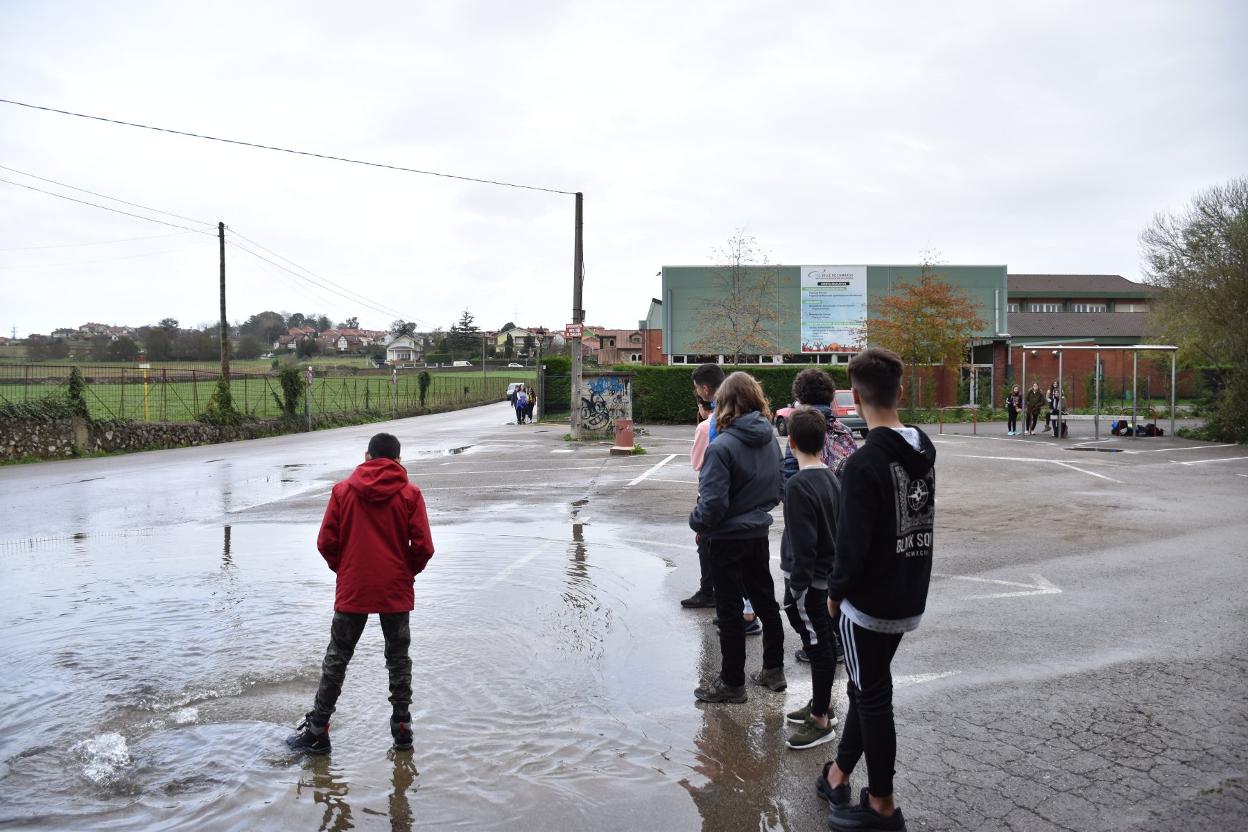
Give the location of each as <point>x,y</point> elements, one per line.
<point>1135,368</point>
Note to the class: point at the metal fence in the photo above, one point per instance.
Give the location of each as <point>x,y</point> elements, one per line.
<point>180,395</point>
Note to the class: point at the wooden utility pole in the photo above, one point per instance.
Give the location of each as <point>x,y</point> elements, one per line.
<point>225,326</point>
<point>578,314</point>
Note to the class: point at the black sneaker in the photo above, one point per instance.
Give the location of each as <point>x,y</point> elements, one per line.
<point>754,628</point>
<point>698,600</point>
<point>770,677</point>
<point>838,796</point>
<point>311,737</point>
<point>717,691</point>
<point>401,730</point>
<point>801,656</point>
<point>862,818</point>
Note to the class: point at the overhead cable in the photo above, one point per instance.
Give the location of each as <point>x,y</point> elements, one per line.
<point>110,198</point>
<point>289,150</point>
<point>96,242</point>
<point>106,207</point>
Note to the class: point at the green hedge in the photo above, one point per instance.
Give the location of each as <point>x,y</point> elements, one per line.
<point>557,387</point>
<point>664,395</point>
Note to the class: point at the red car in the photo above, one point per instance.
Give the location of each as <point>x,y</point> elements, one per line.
<point>842,406</point>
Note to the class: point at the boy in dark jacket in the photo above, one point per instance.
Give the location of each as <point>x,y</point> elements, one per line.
<point>738,486</point>
<point>806,557</point>
<point>375,536</point>
<point>878,585</point>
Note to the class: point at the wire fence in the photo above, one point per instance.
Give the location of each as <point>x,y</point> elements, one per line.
<point>181,395</point>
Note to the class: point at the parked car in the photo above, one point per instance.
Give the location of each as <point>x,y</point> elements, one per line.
<point>511,388</point>
<point>842,406</point>
<point>461,363</point>
<point>514,364</point>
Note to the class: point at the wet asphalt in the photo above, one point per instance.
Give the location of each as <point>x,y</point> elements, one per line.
<point>1081,664</point>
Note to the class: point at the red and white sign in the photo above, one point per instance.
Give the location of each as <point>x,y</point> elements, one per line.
<point>573,330</point>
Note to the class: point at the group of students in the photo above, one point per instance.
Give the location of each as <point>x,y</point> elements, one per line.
<point>1034,402</point>
<point>523,400</point>
<point>856,556</point>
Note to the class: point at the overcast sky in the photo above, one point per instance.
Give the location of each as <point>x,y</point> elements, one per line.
<point>1040,135</point>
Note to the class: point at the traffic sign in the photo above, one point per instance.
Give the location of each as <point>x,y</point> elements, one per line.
<point>573,330</point>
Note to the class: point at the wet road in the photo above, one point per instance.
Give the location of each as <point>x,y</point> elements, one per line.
<point>1081,665</point>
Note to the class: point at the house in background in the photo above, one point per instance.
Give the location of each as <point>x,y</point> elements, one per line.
<point>404,349</point>
<point>618,346</point>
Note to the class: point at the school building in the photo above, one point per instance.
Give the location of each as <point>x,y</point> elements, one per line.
<point>815,314</point>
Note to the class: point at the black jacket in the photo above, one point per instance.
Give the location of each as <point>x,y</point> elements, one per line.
<point>809,545</point>
<point>739,483</point>
<point>884,531</point>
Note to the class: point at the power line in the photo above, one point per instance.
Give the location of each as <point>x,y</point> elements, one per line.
<point>100,260</point>
<point>288,150</point>
<point>106,196</point>
<point>105,207</point>
<point>360,298</point>
<point>368,304</point>
<point>96,242</point>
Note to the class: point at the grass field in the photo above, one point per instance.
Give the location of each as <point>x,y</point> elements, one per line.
<point>175,394</point>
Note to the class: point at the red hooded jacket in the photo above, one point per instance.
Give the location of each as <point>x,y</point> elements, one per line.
<point>375,535</point>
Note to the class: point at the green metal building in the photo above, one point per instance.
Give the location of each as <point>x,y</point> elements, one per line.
<point>812,308</point>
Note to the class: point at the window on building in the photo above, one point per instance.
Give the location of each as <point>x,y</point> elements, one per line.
<point>1044,307</point>
<point>1090,307</point>
<point>1012,307</point>
<point>1135,306</point>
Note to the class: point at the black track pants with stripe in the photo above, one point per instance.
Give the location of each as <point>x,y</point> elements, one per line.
<point>808,614</point>
<point>868,726</point>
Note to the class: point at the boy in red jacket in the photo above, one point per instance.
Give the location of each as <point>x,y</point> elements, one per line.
<point>375,536</point>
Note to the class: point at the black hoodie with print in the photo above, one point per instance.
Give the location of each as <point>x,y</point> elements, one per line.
<point>884,533</point>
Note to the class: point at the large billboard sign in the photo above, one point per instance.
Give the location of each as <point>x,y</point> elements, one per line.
<point>834,307</point>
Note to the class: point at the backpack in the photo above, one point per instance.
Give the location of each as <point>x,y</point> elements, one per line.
<point>837,446</point>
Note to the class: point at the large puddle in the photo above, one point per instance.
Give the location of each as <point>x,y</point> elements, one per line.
<point>151,677</point>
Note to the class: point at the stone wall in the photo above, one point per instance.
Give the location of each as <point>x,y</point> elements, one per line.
<point>60,438</point>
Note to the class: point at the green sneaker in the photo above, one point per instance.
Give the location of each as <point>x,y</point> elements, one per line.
<point>810,735</point>
<point>800,716</point>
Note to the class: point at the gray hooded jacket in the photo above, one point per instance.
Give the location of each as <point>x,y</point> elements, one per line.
<point>740,481</point>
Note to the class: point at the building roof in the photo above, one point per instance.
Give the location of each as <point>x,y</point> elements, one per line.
<point>1078,324</point>
<point>1083,284</point>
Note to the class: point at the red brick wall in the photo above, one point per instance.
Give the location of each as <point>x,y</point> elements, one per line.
<point>653,339</point>
<point>1078,365</point>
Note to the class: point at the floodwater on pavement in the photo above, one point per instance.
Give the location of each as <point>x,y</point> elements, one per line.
<point>152,673</point>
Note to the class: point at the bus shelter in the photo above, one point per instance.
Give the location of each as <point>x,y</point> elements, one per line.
<point>1135,350</point>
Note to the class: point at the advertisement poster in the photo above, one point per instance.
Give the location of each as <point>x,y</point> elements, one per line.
<point>834,307</point>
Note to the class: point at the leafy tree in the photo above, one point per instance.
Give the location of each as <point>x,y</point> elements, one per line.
<point>123,349</point>
<point>323,323</point>
<point>169,325</point>
<point>98,349</point>
<point>249,346</point>
<point>509,347</point>
<point>76,393</point>
<point>741,318</point>
<point>294,319</point>
<point>268,326</point>
<point>401,327</point>
<point>929,321</point>
<point>350,323</point>
<point>307,347</point>
<point>1199,260</point>
<point>465,336</point>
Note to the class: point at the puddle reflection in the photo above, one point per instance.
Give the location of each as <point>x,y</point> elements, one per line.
<point>331,790</point>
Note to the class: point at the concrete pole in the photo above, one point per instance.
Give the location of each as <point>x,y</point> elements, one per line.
<point>578,314</point>
<point>1061,397</point>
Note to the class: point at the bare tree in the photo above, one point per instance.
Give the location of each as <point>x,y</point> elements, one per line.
<point>743,316</point>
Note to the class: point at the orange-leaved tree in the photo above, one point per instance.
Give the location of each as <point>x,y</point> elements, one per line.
<point>927,321</point>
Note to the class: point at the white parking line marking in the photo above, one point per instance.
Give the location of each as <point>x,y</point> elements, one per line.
<point>1176,450</point>
<point>562,451</point>
<point>920,678</point>
<point>1091,473</point>
<point>1224,459</point>
<point>1042,586</point>
<point>651,470</point>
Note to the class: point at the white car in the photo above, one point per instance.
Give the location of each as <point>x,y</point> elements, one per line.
<point>514,364</point>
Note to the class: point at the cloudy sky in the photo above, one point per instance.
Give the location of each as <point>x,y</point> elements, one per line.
<point>1039,135</point>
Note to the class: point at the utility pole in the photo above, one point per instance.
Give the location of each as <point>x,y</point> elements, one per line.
<point>540,406</point>
<point>225,326</point>
<point>484,379</point>
<point>578,314</point>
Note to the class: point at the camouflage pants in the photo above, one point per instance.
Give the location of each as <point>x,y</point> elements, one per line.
<point>344,634</point>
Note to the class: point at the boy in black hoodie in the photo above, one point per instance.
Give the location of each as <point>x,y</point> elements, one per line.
<point>878,585</point>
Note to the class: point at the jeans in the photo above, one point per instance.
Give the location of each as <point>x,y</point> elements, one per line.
<point>869,727</point>
<point>344,634</point>
<point>706,584</point>
<point>809,617</point>
<point>743,568</point>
